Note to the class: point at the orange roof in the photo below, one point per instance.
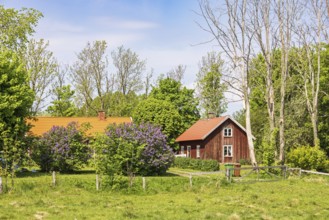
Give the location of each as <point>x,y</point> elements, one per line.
<point>41,125</point>
<point>201,129</point>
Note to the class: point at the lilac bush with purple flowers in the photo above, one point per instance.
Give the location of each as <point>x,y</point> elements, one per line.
<point>133,149</point>
<point>61,149</point>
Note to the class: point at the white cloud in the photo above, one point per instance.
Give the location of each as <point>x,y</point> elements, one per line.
<point>111,22</point>
<point>48,25</point>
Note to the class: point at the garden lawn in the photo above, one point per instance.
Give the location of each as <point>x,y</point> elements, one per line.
<point>169,197</point>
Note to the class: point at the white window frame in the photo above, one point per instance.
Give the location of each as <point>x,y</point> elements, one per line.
<point>182,150</point>
<point>228,153</point>
<point>198,151</point>
<point>188,152</point>
<point>228,132</point>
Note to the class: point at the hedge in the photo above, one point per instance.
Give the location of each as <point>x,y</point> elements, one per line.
<point>196,164</point>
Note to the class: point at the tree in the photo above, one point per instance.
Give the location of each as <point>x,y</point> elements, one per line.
<point>234,37</point>
<point>62,104</point>
<point>265,25</point>
<point>16,100</point>
<point>310,39</point>
<point>177,73</point>
<point>16,26</point>
<point>89,74</point>
<point>42,67</point>
<point>129,70</point>
<point>161,113</point>
<point>181,98</point>
<point>287,15</point>
<point>147,82</point>
<point>210,87</point>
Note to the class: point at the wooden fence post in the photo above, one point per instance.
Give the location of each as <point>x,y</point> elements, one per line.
<point>284,172</point>
<point>97,182</point>
<point>0,184</point>
<point>54,178</point>
<point>144,183</point>
<point>191,183</point>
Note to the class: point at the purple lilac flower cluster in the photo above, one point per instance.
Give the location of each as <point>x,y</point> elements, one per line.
<point>62,149</point>
<point>157,155</point>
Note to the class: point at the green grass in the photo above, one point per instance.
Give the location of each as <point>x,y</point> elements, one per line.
<point>168,197</point>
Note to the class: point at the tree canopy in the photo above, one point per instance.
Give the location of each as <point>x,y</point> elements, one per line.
<point>16,100</point>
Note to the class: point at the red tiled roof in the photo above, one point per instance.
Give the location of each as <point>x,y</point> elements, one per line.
<point>201,129</point>
<point>44,124</point>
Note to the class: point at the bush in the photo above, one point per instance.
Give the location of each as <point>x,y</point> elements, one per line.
<point>308,158</point>
<point>131,149</point>
<point>245,161</point>
<point>196,164</point>
<point>61,149</point>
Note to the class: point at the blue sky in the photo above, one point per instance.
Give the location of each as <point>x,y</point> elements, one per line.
<point>162,32</point>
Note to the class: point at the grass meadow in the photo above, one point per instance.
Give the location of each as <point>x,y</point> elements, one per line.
<point>168,197</point>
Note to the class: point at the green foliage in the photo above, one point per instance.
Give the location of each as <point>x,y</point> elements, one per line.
<point>196,164</point>
<point>61,149</point>
<point>161,113</point>
<point>181,97</point>
<point>41,66</point>
<point>16,99</point>
<point>308,158</point>
<point>131,149</point>
<point>245,162</point>
<point>269,148</point>
<point>174,99</point>
<point>210,87</point>
<point>63,104</point>
<point>16,26</point>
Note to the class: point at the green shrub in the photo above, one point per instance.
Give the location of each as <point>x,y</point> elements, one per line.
<point>196,164</point>
<point>308,158</point>
<point>245,161</point>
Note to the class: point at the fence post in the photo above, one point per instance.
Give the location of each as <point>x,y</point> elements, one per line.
<point>144,183</point>
<point>54,178</point>
<point>97,182</point>
<point>0,184</point>
<point>191,180</point>
<point>228,174</point>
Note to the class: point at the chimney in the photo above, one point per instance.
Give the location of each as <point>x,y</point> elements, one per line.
<point>101,115</point>
<point>211,115</point>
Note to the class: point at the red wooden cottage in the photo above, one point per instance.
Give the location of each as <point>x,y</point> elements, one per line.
<point>222,139</point>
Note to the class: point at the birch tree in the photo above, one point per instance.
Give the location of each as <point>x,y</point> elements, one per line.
<point>310,37</point>
<point>229,29</point>
<point>265,25</point>
<point>287,14</point>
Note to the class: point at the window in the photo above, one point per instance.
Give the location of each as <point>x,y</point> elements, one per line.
<point>188,151</point>
<point>227,132</point>
<point>198,151</point>
<point>228,151</point>
<point>182,150</point>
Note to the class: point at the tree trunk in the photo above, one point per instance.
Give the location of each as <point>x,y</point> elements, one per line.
<point>249,135</point>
